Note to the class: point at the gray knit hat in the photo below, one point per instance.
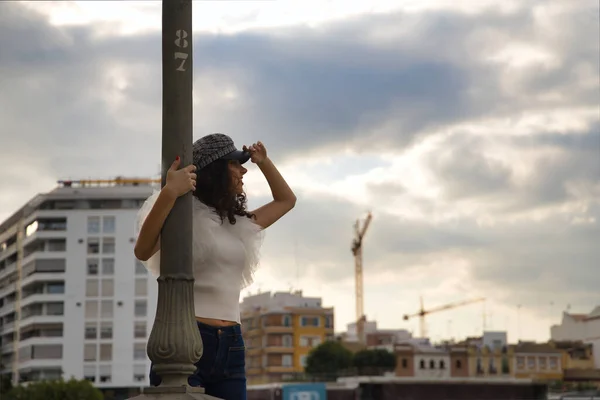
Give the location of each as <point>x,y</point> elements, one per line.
<point>215,146</point>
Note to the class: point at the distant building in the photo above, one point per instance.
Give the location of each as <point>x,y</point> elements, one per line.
<point>490,355</point>
<point>73,300</point>
<point>421,360</point>
<point>580,327</point>
<point>351,334</point>
<point>539,361</point>
<point>387,338</point>
<point>279,330</point>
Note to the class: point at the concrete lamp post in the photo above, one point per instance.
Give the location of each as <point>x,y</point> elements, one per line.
<point>175,343</point>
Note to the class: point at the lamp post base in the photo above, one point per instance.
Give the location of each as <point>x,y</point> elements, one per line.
<point>174,393</point>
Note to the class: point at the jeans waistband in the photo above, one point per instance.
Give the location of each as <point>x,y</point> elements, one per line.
<point>229,330</point>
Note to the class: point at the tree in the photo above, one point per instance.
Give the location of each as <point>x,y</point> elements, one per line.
<point>374,362</point>
<point>55,390</point>
<point>328,360</point>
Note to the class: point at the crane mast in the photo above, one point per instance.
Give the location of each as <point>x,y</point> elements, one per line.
<point>358,274</point>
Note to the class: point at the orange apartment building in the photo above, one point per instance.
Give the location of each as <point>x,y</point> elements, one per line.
<point>279,331</point>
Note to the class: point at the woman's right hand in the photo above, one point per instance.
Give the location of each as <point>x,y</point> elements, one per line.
<point>180,181</point>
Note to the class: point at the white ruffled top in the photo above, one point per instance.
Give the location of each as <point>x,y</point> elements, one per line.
<point>225,257</point>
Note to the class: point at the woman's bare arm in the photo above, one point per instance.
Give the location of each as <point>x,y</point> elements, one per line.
<point>284,198</point>
<point>179,182</point>
<point>148,242</point>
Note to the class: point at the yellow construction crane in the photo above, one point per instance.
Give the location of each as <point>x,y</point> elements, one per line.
<point>422,313</point>
<point>358,272</point>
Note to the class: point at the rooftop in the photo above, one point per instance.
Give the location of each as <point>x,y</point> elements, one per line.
<point>107,189</point>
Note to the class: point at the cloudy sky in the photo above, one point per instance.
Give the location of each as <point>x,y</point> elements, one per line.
<point>470,129</point>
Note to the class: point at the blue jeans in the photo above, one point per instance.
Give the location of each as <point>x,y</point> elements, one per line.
<point>222,369</point>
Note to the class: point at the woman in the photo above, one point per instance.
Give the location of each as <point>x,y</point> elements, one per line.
<point>225,249</point>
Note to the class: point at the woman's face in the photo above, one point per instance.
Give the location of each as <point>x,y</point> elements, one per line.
<point>236,172</point>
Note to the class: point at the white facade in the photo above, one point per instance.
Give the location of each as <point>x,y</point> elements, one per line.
<point>86,306</point>
<point>351,334</point>
<point>494,340</point>
<point>430,362</point>
<point>584,327</point>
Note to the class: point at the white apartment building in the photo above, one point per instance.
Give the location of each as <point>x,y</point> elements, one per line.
<point>74,301</point>
<point>584,327</point>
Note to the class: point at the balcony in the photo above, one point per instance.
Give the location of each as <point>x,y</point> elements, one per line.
<point>42,298</point>
<point>40,363</point>
<point>278,329</point>
<point>41,340</point>
<point>9,269</point>
<point>253,370</point>
<point>253,351</point>
<point>8,347</point>
<point>7,308</point>
<point>8,251</point>
<point>279,369</point>
<point>254,332</point>
<point>279,349</point>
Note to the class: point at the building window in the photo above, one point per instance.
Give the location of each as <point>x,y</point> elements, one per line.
<point>93,225</point>
<point>93,246</point>
<point>530,363</point>
<point>329,321</point>
<point>404,363</point>
<point>310,341</point>
<point>139,373</point>
<point>108,288</point>
<point>542,362</point>
<point>91,309</point>
<point>139,268</point>
<point>286,360</point>
<point>422,364</point>
<point>108,266</point>
<point>139,351</point>
<point>141,287</point>
<point>505,367</point>
<point>303,359</point>
<point>139,329</point>
<point>106,330</point>
<point>55,288</point>
<point>140,309</point>
<point>89,373</point>
<point>287,320</point>
<point>108,224</point>
<point>287,341</point>
<point>89,352</point>
<point>106,351</point>
<point>92,266</point>
<point>310,321</point>
<point>553,363</point>
<point>108,245</point>
<point>105,373</point>
<point>458,364</point>
<point>431,364</point>
<point>106,309</point>
<point>55,309</point>
<point>442,364</point>
<point>91,288</point>
<point>520,363</point>
<point>91,331</point>
<point>56,245</point>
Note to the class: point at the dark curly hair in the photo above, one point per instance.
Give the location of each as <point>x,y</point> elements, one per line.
<point>213,188</point>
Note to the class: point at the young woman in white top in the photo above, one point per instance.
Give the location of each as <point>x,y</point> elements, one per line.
<point>226,241</point>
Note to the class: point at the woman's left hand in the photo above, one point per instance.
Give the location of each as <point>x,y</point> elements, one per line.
<point>258,152</point>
